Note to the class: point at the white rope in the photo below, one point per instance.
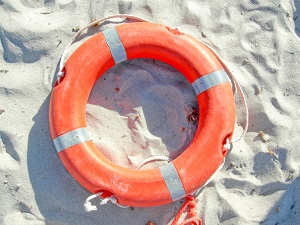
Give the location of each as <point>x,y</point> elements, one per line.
<point>87,204</point>
<point>152,159</point>
<point>240,90</point>
<point>227,145</point>
<point>97,22</point>
<point>88,207</point>
<point>210,179</point>
<point>113,200</point>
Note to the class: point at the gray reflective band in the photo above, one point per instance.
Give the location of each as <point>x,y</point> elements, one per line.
<point>173,181</point>
<point>71,138</point>
<point>209,80</point>
<point>115,45</point>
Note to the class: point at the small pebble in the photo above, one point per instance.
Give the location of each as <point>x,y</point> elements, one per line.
<point>75,29</point>
<point>18,187</point>
<point>230,166</point>
<point>264,137</point>
<point>96,24</point>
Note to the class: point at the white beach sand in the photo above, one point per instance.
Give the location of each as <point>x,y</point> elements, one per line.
<point>259,41</point>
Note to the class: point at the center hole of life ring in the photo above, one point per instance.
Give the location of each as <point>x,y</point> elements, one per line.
<point>141,110</point>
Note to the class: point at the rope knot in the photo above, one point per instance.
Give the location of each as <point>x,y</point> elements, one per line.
<point>192,204</point>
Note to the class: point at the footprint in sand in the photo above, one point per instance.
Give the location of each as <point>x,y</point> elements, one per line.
<point>24,31</point>
<point>21,214</point>
<point>124,7</point>
<point>9,158</point>
<point>44,3</point>
<point>36,4</point>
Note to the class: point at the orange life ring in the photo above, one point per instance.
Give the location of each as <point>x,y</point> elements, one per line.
<point>158,186</point>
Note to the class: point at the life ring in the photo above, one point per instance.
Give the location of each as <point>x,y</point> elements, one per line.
<point>177,179</point>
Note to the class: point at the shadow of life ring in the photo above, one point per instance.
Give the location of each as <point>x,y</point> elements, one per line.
<point>175,180</point>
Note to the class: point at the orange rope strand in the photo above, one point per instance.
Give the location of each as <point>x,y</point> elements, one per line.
<point>192,215</point>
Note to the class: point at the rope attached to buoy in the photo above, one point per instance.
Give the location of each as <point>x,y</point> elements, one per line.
<point>192,218</point>
<point>190,202</point>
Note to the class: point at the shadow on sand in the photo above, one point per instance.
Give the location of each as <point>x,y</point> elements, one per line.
<point>287,209</point>
<point>60,198</point>
<point>296,17</point>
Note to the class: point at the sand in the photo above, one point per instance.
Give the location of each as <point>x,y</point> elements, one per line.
<point>138,109</point>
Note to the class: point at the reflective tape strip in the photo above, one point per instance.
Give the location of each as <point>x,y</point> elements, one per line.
<point>173,181</point>
<point>71,138</point>
<point>115,45</point>
<point>210,80</point>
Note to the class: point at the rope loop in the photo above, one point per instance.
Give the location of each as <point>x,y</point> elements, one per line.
<point>190,200</point>
<point>88,207</point>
